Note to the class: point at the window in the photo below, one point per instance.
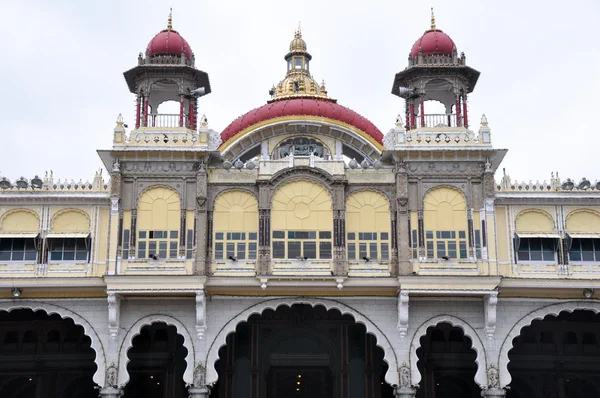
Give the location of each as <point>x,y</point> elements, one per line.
<point>297,62</point>
<point>451,244</point>
<point>18,249</point>
<point>302,244</point>
<point>126,235</point>
<point>68,249</point>
<point>238,245</point>
<point>189,244</point>
<point>415,244</point>
<point>537,249</point>
<point>163,244</point>
<point>372,245</point>
<point>478,244</point>
<point>585,250</point>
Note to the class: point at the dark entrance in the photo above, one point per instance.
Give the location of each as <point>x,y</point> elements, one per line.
<point>447,364</point>
<point>557,357</point>
<point>157,363</point>
<point>298,352</point>
<point>44,356</point>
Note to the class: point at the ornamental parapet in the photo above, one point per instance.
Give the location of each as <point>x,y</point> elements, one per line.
<point>49,184</point>
<point>554,185</point>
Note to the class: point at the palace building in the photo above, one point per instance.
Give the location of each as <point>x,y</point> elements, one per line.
<point>301,252</point>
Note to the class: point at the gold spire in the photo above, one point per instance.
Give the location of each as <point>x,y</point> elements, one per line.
<point>298,32</point>
<point>432,19</point>
<point>170,20</point>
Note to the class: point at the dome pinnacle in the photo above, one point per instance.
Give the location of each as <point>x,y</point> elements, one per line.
<point>170,20</point>
<point>432,19</point>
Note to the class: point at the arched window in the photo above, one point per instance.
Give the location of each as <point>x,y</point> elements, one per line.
<point>69,237</point>
<point>235,225</point>
<point>302,222</point>
<point>158,224</point>
<point>583,231</point>
<point>301,146</point>
<point>368,226</point>
<point>19,236</point>
<point>445,222</point>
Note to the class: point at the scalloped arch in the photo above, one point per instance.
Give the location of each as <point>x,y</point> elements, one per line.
<point>540,313</point>
<point>69,210</point>
<point>383,342</point>
<point>100,360</point>
<point>476,345</point>
<point>228,190</point>
<point>585,225</point>
<point>374,190</point>
<point>136,329</point>
<point>13,211</point>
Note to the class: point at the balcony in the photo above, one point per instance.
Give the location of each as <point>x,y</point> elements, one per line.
<point>169,121</point>
<point>436,121</point>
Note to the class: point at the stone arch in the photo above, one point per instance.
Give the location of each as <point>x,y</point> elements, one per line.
<point>477,345</point>
<point>170,211</point>
<point>533,214</point>
<point>100,375</point>
<point>451,187</point>
<point>154,186</point>
<point>64,212</point>
<point>29,212</point>
<point>230,326</point>
<point>136,328</point>
<point>385,192</point>
<point>540,313</point>
<point>232,189</point>
<point>299,173</point>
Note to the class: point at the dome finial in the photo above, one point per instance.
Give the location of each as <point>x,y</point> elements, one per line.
<point>432,19</point>
<point>170,20</point>
<point>298,32</point>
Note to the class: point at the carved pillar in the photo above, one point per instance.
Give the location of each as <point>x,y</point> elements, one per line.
<point>114,314</point>
<point>264,233</point>
<point>493,384</point>
<point>404,266</point>
<point>344,369</point>
<point>470,235</point>
<point>110,392</point>
<point>339,228</point>
<point>201,219</point>
<point>199,392</point>
<point>402,314</point>
<point>115,194</point>
<point>133,234</point>
<point>138,108</point>
<point>200,313</point>
<point>199,389</point>
<point>182,233</point>
<point>254,362</point>
<point>405,392</point>
<point>489,305</point>
<point>493,393</point>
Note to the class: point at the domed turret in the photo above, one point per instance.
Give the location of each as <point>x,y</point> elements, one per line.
<point>433,41</point>
<point>168,42</point>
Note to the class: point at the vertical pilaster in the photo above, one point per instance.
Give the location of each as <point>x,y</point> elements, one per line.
<point>115,194</point>
<point>403,267</point>
<point>457,109</point>
<point>339,229</point>
<point>422,112</point>
<point>465,115</point>
<point>201,219</point>
<point>254,362</point>
<point>181,110</point>
<point>146,108</point>
<point>138,109</point>
<point>182,224</point>
<point>264,226</point>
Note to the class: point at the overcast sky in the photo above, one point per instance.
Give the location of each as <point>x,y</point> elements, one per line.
<point>62,65</point>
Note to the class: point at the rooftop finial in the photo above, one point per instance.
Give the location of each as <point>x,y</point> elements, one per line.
<point>298,32</point>
<point>170,20</point>
<point>432,19</point>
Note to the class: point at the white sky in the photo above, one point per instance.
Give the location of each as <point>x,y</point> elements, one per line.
<point>62,64</point>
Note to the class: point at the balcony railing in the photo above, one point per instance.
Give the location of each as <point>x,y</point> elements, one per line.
<point>437,120</point>
<point>166,121</point>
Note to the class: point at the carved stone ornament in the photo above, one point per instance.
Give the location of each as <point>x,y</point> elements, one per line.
<point>111,376</point>
<point>490,304</point>
<point>404,375</point>
<point>201,200</point>
<point>200,313</point>
<point>402,202</point>
<point>403,314</point>
<point>493,377</point>
<point>116,166</point>
<point>114,310</point>
<point>199,376</point>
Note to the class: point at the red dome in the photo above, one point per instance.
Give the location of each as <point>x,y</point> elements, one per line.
<point>168,42</point>
<point>304,107</point>
<point>433,42</point>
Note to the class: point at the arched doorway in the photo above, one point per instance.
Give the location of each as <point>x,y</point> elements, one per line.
<point>447,364</point>
<point>301,351</point>
<point>44,355</point>
<point>157,363</point>
<point>557,357</point>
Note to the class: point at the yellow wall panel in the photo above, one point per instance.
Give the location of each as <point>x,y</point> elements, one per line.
<point>103,234</point>
<point>70,221</point>
<point>534,221</point>
<point>583,221</point>
<point>445,209</point>
<point>367,211</point>
<point>235,211</point>
<point>302,205</point>
<point>20,220</point>
<point>159,210</point>
<point>500,234</point>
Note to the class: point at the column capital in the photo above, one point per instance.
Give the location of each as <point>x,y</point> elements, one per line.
<point>493,393</point>
<point>198,392</point>
<point>405,392</point>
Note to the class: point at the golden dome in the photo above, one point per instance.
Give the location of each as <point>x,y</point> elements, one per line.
<point>298,44</point>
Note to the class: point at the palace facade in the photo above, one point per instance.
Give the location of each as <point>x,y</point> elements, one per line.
<point>301,252</point>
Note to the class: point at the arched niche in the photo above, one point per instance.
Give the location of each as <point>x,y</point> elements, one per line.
<point>20,220</point>
<point>526,320</point>
<point>235,223</point>
<point>70,220</point>
<point>368,212</point>
<point>97,344</point>
<point>534,220</point>
<point>301,205</point>
<point>230,326</point>
<point>135,330</point>
<point>583,221</point>
<point>477,345</point>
